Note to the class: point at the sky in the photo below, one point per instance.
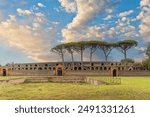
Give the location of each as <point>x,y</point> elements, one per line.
<point>30,28</point>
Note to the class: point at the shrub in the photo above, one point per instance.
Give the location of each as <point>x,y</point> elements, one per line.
<point>127,60</point>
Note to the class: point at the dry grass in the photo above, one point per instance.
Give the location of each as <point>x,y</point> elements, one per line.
<point>132,88</point>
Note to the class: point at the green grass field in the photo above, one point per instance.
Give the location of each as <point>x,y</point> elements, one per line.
<point>132,88</point>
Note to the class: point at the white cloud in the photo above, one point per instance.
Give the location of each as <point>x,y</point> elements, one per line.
<point>55,23</point>
<point>121,30</point>
<point>144,16</point>
<point>145,3</point>
<point>23,12</point>
<point>38,20</point>
<point>69,5</point>
<point>108,17</point>
<point>84,33</point>
<point>39,14</point>
<point>126,13</point>
<point>41,5</point>
<point>35,44</point>
<point>109,10</point>
<point>86,7</point>
<point>12,17</point>
<point>21,38</point>
<point>57,9</point>
<point>85,10</point>
<point>141,49</point>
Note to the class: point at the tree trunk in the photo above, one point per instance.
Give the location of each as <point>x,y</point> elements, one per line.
<point>91,60</point>
<point>82,59</point>
<point>105,55</point>
<point>62,55</point>
<point>72,60</point>
<point>125,54</point>
<point>106,58</point>
<point>125,57</point>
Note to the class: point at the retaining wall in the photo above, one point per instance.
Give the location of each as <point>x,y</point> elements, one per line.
<point>78,73</point>
<point>62,79</point>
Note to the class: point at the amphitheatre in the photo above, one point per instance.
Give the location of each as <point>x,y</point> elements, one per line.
<point>81,68</point>
<point>79,74</point>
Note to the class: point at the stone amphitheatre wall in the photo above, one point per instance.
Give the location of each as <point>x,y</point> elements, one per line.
<point>94,69</point>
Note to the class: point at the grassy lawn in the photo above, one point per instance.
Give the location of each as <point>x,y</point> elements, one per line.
<point>17,77</point>
<point>131,88</point>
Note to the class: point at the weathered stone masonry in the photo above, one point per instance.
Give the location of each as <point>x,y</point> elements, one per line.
<point>56,68</point>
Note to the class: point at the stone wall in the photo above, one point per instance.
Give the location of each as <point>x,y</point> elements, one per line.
<point>87,73</point>
<point>58,79</point>
<point>31,73</point>
<point>94,69</point>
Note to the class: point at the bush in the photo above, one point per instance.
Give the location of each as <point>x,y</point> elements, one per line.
<point>127,60</point>
<point>146,63</point>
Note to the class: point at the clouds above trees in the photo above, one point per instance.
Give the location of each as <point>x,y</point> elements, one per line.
<point>85,11</point>
<point>30,25</point>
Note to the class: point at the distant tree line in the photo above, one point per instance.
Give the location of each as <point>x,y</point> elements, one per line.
<point>93,45</point>
<point>146,63</point>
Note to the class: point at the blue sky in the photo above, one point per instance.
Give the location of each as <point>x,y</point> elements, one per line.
<point>29,28</point>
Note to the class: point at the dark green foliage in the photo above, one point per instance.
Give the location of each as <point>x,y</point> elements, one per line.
<point>125,45</point>
<point>106,47</point>
<point>146,63</point>
<point>148,51</point>
<point>127,60</point>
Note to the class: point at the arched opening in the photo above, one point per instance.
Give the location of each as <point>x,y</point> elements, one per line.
<point>79,68</point>
<point>130,69</point>
<point>40,68</point>
<point>114,73</point>
<point>4,72</point>
<point>75,68</point>
<point>59,71</point>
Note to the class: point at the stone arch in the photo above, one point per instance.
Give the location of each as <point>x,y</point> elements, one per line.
<point>46,65</point>
<point>50,68</point>
<point>92,68</point>
<point>75,68</point>
<point>45,68</point>
<point>5,71</point>
<point>101,68</point>
<point>79,68</point>
<point>105,68</point>
<point>96,68</point>
<point>59,70</point>
<point>40,68</point>
<point>130,69</point>
<point>114,72</point>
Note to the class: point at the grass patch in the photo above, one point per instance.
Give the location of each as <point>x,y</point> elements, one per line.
<point>132,88</point>
<point>18,77</point>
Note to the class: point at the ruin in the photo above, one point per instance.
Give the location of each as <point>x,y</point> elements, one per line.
<point>57,69</point>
